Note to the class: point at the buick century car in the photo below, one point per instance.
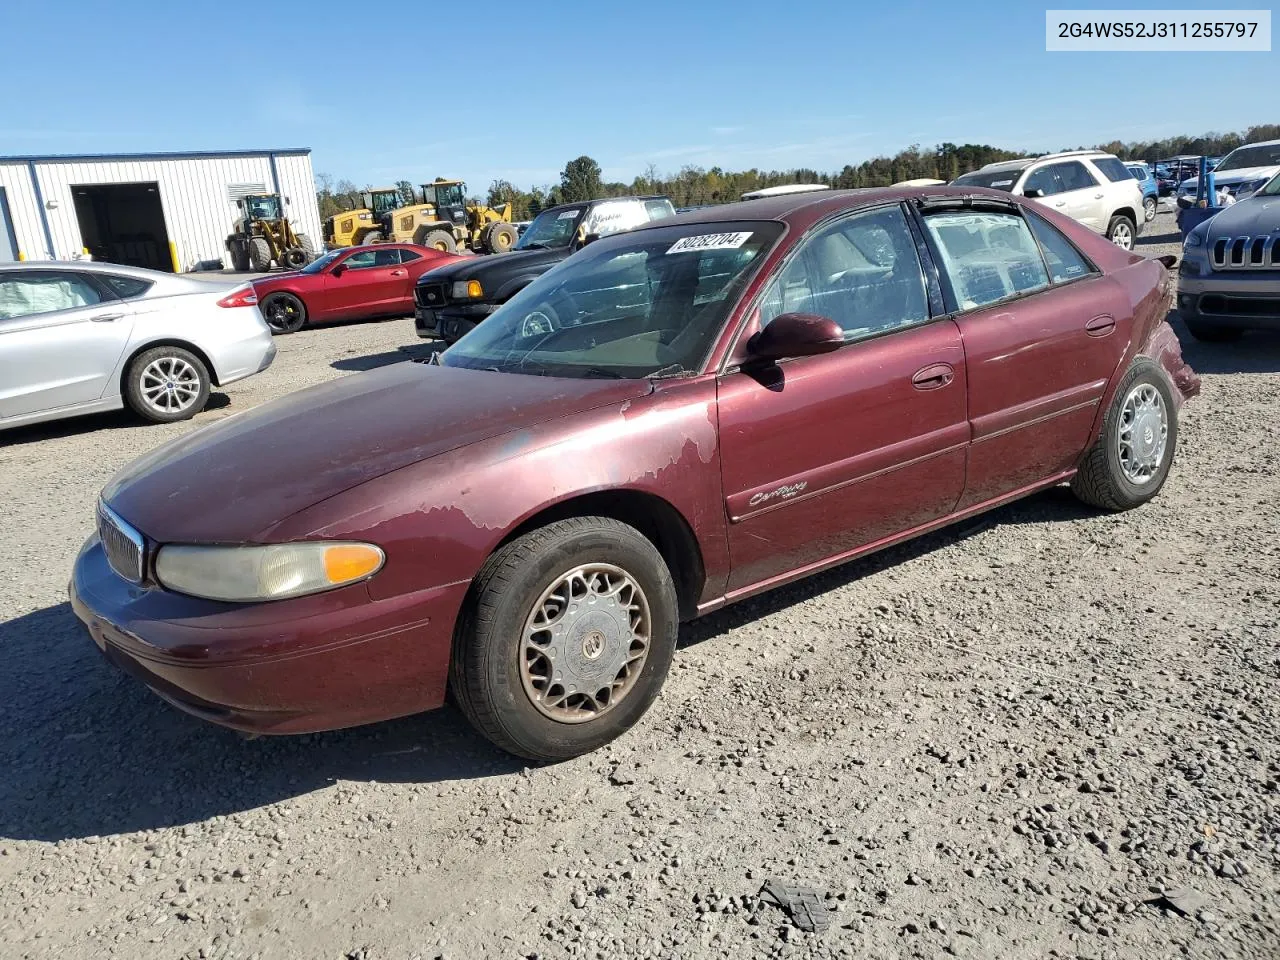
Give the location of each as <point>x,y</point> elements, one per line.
<point>677,417</point>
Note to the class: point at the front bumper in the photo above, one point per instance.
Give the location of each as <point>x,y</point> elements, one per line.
<point>1233,299</point>
<point>450,323</point>
<point>322,662</point>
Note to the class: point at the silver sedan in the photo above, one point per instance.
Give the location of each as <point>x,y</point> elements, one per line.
<point>82,337</point>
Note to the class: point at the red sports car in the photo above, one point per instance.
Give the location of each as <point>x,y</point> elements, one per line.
<point>353,283</point>
<point>673,419</point>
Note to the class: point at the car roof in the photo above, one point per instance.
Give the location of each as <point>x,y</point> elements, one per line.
<point>583,203</point>
<point>1023,162</point>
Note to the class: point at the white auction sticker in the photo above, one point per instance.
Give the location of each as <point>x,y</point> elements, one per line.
<point>1154,30</point>
<point>568,215</point>
<point>710,241</point>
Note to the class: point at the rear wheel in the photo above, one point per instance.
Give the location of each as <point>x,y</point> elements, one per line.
<point>500,238</point>
<point>1129,462</point>
<point>167,384</point>
<point>373,236</point>
<point>1121,231</point>
<point>566,638</point>
<point>259,255</point>
<point>284,312</point>
<point>1149,209</point>
<point>441,240</point>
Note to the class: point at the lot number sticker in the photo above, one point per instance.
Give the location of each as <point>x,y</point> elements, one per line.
<point>568,215</point>
<point>710,241</point>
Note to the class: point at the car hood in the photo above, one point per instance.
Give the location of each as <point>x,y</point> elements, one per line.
<point>1230,178</point>
<point>231,482</point>
<point>1256,216</point>
<point>499,265</point>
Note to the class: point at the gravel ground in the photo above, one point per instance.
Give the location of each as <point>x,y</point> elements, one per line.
<point>1003,740</point>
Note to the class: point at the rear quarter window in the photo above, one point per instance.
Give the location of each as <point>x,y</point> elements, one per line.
<point>126,288</point>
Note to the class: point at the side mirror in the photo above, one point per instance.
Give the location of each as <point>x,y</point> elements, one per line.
<point>1033,194</point>
<point>590,238</point>
<point>338,270</point>
<point>795,335</point>
<point>1169,261</point>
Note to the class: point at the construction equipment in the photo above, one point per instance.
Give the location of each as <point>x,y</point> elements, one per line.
<point>445,221</point>
<point>263,234</point>
<point>365,224</point>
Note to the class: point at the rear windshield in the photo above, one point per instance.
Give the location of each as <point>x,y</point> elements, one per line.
<point>995,179</point>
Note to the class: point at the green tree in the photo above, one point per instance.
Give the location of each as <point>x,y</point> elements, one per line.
<point>581,180</point>
<point>406,191</point>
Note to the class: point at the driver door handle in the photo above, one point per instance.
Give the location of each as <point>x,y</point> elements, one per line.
<point>106,317</point>
<point>399,273</point>
<point>933,376</point>
<point>1060,203</point>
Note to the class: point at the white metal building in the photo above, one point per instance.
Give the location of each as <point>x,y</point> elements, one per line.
<point>167,211</point>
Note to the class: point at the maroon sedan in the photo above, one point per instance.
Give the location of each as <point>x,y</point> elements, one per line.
<point>677,417</point>
<point>353,283</point>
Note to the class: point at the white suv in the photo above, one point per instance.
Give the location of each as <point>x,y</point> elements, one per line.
<point>1087,185</point>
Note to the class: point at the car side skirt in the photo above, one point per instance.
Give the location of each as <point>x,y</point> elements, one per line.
<point>836,560</point>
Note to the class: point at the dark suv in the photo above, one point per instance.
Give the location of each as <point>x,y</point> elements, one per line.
<point>450,300</point>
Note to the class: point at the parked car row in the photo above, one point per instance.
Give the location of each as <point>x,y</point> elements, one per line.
<point>645,434</point>
<point>1241,172</point>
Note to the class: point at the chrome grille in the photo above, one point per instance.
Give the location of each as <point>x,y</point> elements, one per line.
<point>1246,253</point>
<point>430,295</point>
<point>123,545</point>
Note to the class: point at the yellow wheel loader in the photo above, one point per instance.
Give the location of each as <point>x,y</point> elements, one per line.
<point>262,235</point>
<point>364,225</point>
<point>445,221</point>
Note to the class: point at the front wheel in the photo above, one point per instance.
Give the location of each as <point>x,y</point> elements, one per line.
<point>1149,209</point>
<point>284,313</point>
<point>1130,461</point>
<point>1121,231</point>
<point>566,638</point>
<point>167,384</point>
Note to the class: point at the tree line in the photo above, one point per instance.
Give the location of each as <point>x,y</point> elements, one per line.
<point>692,186</point>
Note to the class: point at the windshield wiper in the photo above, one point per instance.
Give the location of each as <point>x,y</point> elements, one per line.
<point>534,245</point>
<point>672,370</point>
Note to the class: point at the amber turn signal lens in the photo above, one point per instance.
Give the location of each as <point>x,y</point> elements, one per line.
<point>473,289</point>
<point>351,561</point>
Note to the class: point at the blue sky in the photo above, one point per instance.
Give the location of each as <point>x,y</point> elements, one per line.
<point>738,84</point>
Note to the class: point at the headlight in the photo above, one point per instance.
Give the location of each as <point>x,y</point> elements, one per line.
<point>1195,238</point>
<point>466,289</point>
<point>274,572</point>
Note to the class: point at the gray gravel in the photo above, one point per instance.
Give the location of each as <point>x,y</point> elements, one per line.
<point>1010,739</point>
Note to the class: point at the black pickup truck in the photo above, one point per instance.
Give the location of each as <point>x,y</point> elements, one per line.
<point>450,300</point>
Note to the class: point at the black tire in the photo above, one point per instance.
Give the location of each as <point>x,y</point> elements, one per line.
<point>1122,226</point>
<point>135,390</point>
<point>500,237</point>
<point>1149,209</point>
<point>441,240</point>
<point>307,246</point>
<point>259,255</point>
<point>1211,334</point>
<point>284,312</point>
<point>373,236</point>
<point>238,251</point>
<point>486,675</point>
<point>1101,480</point>
<point>294,258</point>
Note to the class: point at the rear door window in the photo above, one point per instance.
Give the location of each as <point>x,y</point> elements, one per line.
<point>1065,262</point>
<point>25,293</point>
<point>1075,176</point>
<point>408,256</point>
<point>987,256</point>
<point>1112,168</point>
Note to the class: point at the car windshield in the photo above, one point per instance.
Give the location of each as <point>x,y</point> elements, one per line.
<point>551,229</point>
<point>1262,155</point>
<point>635,305</point>
<point>322,261</point>
<point>995,179</point>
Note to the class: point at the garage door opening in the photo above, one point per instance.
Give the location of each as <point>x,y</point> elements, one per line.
<point>124,223</point>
